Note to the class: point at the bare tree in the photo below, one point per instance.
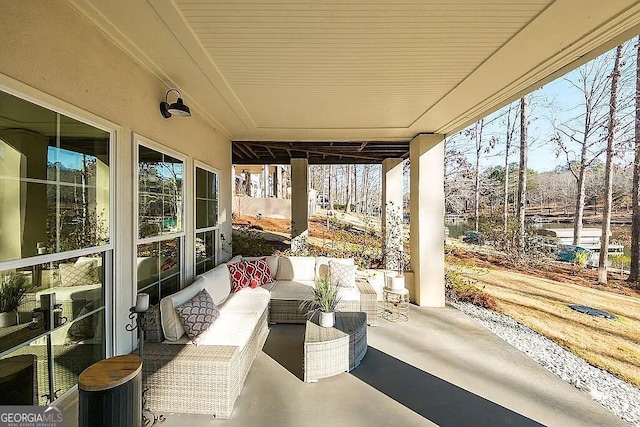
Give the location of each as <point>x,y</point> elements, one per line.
<point>511,128</point>
<point>606,214</point>
<point>476,134</point>
<point>347,206</point>
<point>522,174</point>
<point>634,273</point>
<point>592,83</point>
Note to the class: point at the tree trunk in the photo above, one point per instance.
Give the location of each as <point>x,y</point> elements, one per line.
<point>330,180</point>
<point>522,174</point>
<point>608,178</point>
<point>579,211</point>
<point>505,204</point>
<point>478,139</point>
<point>347,206</point>
<point>634,274</point>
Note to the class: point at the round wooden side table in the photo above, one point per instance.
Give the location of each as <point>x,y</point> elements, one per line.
<point>110,393</point>
<point>396,304</point>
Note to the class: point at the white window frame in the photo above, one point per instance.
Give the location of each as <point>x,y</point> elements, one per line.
<point>140,140</point>
<point>44,100</point>
<point>216,229</point>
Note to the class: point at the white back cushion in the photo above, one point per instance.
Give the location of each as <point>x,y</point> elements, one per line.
<point>272,261</point>
<point>171,325</point>
<point>296,268</point>
<point>218,283</point>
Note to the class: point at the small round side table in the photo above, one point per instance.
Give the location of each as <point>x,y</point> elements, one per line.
<point>396,304</point>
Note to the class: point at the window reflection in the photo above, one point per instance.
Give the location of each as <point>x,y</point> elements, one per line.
<point>158,268</point>
<point>54,172</point>
<point>160,193</point>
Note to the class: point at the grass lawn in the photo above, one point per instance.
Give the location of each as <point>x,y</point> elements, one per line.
<point>541,304</point>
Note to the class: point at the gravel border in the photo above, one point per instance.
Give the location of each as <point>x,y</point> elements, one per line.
<point>618,396</point>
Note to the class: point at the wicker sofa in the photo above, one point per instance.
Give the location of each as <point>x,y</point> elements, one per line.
<point>207,379</point>
<point>294,281</point>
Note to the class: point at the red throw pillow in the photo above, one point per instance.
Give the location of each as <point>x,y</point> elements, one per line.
<point>239,277</point>
<point>258,272</point>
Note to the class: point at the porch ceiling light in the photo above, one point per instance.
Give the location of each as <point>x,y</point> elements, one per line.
<point>176,109</point>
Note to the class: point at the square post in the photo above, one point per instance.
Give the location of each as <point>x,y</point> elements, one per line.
<point>299,205</point>
<point>427,219</point>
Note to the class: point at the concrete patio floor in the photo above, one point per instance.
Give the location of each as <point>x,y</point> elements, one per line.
<point>440,368</point>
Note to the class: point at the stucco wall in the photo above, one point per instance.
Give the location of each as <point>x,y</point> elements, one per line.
<point>50,47</point>
<point>245,205</point>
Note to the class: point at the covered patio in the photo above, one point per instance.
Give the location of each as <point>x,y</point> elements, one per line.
<point>279,82</point>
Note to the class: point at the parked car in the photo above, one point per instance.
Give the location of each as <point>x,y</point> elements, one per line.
<point>473,237</point>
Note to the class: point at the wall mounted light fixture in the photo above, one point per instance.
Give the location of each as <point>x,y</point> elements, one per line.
<point>176,109</point>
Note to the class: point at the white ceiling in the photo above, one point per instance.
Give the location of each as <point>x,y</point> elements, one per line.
<point>357,69</point>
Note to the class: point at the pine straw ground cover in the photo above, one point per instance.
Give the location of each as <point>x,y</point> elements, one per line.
<point>542,304</point>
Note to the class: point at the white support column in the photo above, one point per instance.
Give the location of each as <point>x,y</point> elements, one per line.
<point>392,211</point>
<point>299,205</point>
<point>427,219</point>
<point>278,182</point>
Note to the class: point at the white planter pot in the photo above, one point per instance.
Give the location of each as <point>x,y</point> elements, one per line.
<point>8,319</point>
<point>327,320</point>
<point>395,282</point>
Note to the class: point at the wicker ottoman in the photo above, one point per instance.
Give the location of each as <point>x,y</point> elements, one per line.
<point>330,351</point>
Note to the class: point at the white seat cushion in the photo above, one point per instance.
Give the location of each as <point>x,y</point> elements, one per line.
<point>248,300</point>
<point>348,294</point>
<point>292,290</point>
<point>233,329</point>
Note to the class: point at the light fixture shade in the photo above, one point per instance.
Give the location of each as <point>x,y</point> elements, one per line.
<point>176,109</point>
<point>179,109</point>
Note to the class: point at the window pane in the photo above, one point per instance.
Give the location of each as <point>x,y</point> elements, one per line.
<point>160,193</point>
<point>206,199</point>
<point>202,189</point>
<point>212,213</point>
<point>205,251</point>
<point>69,162</point>
<point>32,380</point>
<point>74,285</point>
<point>170,258</point>
<point>148,264</point>
<point>201,213</point>
<point>76,346</point>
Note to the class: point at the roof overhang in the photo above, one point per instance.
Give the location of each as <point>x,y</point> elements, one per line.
<point>322,74</point>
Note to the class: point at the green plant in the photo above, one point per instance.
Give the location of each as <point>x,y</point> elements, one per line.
<point>12,291</point>
<point>247,242</point>
<point>459,288</point>
<point>325,297</point>
<point>581,258</point>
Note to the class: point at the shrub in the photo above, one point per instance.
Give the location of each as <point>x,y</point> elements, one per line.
<point>461,289</point>
<point>249,243</point>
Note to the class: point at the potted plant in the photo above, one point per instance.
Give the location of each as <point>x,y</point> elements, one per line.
<point>12,291</point>
<point>325,299</point>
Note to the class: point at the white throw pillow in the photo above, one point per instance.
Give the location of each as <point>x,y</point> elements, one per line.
<point>322,264</point>
<point>342,275</point>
